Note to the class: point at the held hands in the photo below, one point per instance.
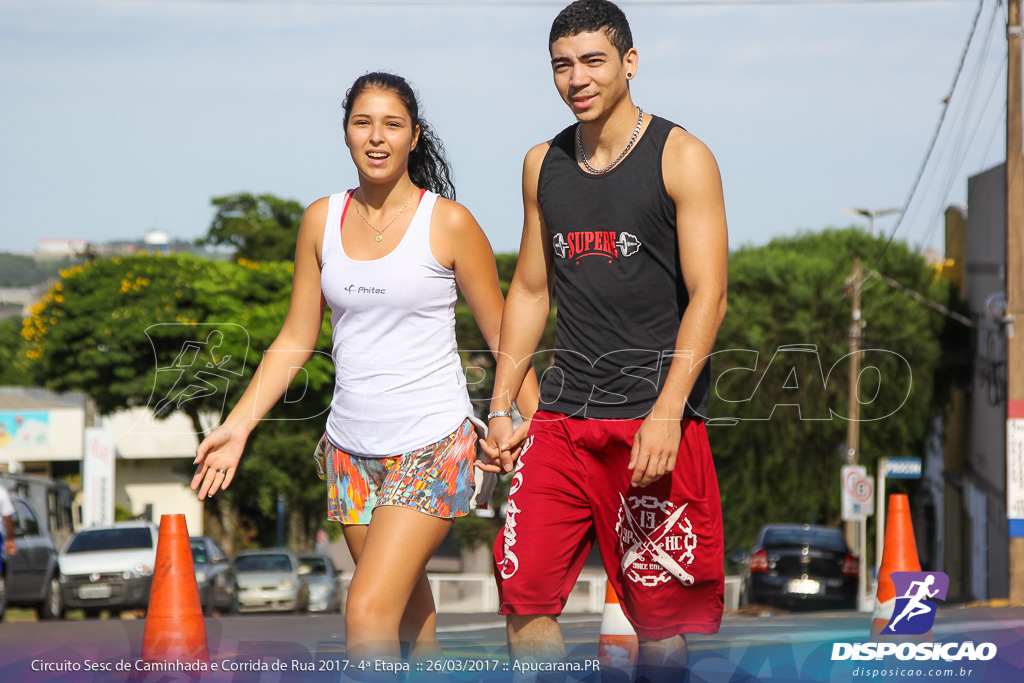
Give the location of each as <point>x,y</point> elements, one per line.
<point>655,448</point>
<point>217,459</point>
<point>503,445</point>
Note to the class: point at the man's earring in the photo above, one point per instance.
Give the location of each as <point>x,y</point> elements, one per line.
<point>629,75</point>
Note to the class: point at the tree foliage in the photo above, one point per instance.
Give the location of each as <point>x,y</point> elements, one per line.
<point>260,228</point>
<point>185,333</point>
<point>781,369</point>
<point>477,360</point>
<point>15,368</point>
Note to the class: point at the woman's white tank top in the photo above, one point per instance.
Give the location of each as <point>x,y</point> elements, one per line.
<point>399,383</point>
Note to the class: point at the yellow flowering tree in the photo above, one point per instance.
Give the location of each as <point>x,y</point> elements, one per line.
<point>183,333</point>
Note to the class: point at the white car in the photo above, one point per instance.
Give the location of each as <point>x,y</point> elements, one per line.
<point>109,567</point>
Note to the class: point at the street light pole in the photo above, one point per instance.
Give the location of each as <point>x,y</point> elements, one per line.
<point>870,214</point>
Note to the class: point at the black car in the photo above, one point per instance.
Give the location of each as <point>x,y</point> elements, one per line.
<point>794,565</point>
<point>30,578</point>
<point>215,575</point>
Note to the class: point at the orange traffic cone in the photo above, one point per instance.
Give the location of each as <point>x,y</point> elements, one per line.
<point>175,630</point>
<point>618,647</point>
<point>899,555</point>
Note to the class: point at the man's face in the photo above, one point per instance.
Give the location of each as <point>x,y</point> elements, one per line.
<point>589,74</point>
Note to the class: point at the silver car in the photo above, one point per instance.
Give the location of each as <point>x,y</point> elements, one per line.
<point>268,581</point>
<point>324,582</point>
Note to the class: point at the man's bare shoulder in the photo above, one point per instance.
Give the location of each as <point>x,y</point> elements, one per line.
<point>687,165</point>
<point>537,153</point>
<point>683,147</point>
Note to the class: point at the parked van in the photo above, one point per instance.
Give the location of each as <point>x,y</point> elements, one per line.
<point>30,578</point>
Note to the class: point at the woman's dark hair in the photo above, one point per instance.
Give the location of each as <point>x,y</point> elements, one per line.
<point>428,167</point>
<point>584,16</point>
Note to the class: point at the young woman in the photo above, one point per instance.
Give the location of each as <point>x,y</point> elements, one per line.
<point>399,448</point>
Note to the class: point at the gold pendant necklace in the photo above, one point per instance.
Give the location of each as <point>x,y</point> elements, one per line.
<point>380,233</point>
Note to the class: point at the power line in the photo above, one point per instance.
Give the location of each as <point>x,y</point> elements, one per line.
<point>550,3</point>
<point>921,298</point>
<point>958,164</point>
<point>935,135</point>
<point>961,141</point>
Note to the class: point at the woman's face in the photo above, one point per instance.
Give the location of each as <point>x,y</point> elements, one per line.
<point>380,135</point>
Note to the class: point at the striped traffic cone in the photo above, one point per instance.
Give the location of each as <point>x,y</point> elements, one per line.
<point>899,555</point>
<point>618,646</point>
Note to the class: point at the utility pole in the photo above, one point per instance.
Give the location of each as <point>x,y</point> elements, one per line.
<point>853,409</point>
<point>1014,294</point>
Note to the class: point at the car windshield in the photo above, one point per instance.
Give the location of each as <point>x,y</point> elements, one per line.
<point>827,539</point>
<point>199,552</point>
<point>111,539</point>
<point>316,564</point>
<point>263,563</point>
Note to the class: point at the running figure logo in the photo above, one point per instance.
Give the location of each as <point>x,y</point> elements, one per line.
<point>195,379</point>
<point>913,613</point>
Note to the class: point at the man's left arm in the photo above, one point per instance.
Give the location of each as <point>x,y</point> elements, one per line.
<point>695,186</point>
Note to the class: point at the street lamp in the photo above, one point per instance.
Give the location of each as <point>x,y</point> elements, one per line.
<point>870,215</point>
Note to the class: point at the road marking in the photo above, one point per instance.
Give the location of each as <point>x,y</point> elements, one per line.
<point>501,624</point>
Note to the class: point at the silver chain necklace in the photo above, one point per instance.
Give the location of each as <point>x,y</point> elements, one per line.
<point>583,155</point>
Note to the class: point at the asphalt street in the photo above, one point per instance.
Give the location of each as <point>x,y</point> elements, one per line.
<point>268,648</point>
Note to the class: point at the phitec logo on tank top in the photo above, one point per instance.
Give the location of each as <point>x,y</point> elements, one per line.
<point>606,244</point>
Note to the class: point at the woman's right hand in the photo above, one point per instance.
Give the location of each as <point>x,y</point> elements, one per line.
<point>217,459</point>
<point>503,445</point>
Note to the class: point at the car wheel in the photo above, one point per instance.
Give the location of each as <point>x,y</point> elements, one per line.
<point>53,604</point>
<point>3,596</point>
<point>207,604</point>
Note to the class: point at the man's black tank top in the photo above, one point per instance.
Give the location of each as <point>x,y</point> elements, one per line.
<point>618,283</point>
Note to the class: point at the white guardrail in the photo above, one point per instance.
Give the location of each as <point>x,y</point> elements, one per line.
<point>477,593</point>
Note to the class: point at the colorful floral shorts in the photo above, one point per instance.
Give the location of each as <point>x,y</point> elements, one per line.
<point>436,480</point>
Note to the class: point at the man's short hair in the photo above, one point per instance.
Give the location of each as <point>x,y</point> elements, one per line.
<point>584,16</point>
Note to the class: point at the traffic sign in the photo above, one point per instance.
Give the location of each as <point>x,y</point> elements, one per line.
<point>858,493</point>
<point>902,468</point>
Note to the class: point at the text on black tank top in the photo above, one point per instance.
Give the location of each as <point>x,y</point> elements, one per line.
<point>618,284</point>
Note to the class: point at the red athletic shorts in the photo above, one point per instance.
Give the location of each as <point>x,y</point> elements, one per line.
<point>661,545</point>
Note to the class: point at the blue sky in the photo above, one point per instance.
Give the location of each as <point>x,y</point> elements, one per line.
<point>117,116</point>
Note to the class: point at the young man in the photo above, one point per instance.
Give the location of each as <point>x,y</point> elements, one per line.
<point>625,219</point>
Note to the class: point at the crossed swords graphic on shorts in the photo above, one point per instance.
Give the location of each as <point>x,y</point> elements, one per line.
<point>646,544</point>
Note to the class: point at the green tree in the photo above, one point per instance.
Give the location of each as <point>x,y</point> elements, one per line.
<point>15,367</point>
<point>779,370</point>
<point>184,333</point>
<point>260,228</point>
<point>477,360</point>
